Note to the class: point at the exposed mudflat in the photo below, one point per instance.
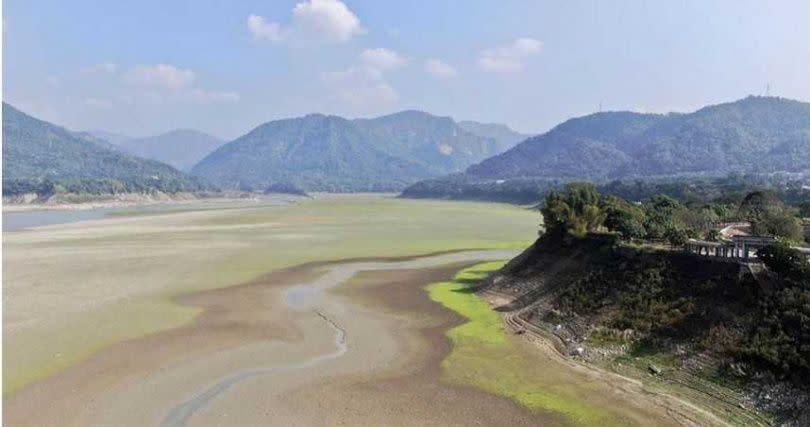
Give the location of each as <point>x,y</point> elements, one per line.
<point>131,320</point>
<point>249,352</point>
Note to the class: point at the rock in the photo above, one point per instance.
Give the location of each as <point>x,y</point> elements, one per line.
<point>578,351</point>
<point>654,370</point>
<point>557,328</point>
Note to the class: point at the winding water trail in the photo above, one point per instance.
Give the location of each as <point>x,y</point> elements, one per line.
<point>309,296</point>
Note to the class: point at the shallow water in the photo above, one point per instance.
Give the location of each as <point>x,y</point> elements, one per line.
<point>13,221</point>
<point>21,220</point>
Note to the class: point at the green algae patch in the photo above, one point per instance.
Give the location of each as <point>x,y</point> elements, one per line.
<point>485,356</point>
<point>126,321</point>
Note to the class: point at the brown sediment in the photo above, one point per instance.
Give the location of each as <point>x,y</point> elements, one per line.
<point>389,376</point>
<point>420,391</point>
<point>234,317</point>
<point>410,393</point>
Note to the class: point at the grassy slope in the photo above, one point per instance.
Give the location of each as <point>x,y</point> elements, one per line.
<point>484,356</point>
<point>71,290</point>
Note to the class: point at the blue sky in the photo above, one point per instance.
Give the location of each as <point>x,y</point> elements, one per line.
<point>148,66</point>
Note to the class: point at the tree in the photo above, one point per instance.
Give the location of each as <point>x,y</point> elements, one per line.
<point>676,236</point>
<point>770,217</point>
<point>756,203</point>
<point>576,210</point>
<point>782,331</point>
<point>786,262</point>
<point>624,218</point>
<point>660,215</point>
<point>697,221</point>
<point>779,222</point>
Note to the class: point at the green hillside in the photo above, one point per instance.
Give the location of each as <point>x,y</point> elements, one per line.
<point>752,135</point>
<point>330,153</point>
<point>41,157</point>
<point>763,139</point>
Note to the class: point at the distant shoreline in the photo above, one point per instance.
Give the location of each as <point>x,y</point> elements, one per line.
<point>64,202</point>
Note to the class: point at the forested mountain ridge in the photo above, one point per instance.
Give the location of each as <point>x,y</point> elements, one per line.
<point>40,156</point>
<point>316,152</point>
<point>755,134</point>
<point>330,153</point>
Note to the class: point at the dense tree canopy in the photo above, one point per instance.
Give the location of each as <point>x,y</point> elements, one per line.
<point>576,210</point>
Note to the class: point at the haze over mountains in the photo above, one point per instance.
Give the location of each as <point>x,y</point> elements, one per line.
<point>752,135</point>
<point>755,135</point>
<point>111,137</point>
<point>315,152</point>
<point>181,148</point>
<point>35,151</point>
<point>504,137</point>
<point>330,153</point>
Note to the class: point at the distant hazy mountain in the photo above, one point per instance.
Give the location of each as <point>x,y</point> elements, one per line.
<point>111,137</point>
<point>95,140</point>
<point>505,137</point>
<point>752,135</point>
<point>35,151</point>
<point>181,148</point>
<point>329,153</point>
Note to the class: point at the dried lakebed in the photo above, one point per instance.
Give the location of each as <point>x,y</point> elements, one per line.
<point>309,296</point>
<point>355,342</point>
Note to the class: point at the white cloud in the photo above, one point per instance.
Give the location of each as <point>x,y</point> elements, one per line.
<point>202,96</point>
<point>363,87</point>
<point>312,21</point>
<point>263,30</point>
<point>382,59</point>
<point>439,69</point>
<point>360,87</point>
<point>161,76</point>
<point>509,58</point>
<point>163,83</point>
<point>331,18</point>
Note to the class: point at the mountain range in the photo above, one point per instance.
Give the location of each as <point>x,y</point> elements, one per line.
<point>752,135</point>
<point>36,152</point>
<point>331,153</point>
<point>755,135</point>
